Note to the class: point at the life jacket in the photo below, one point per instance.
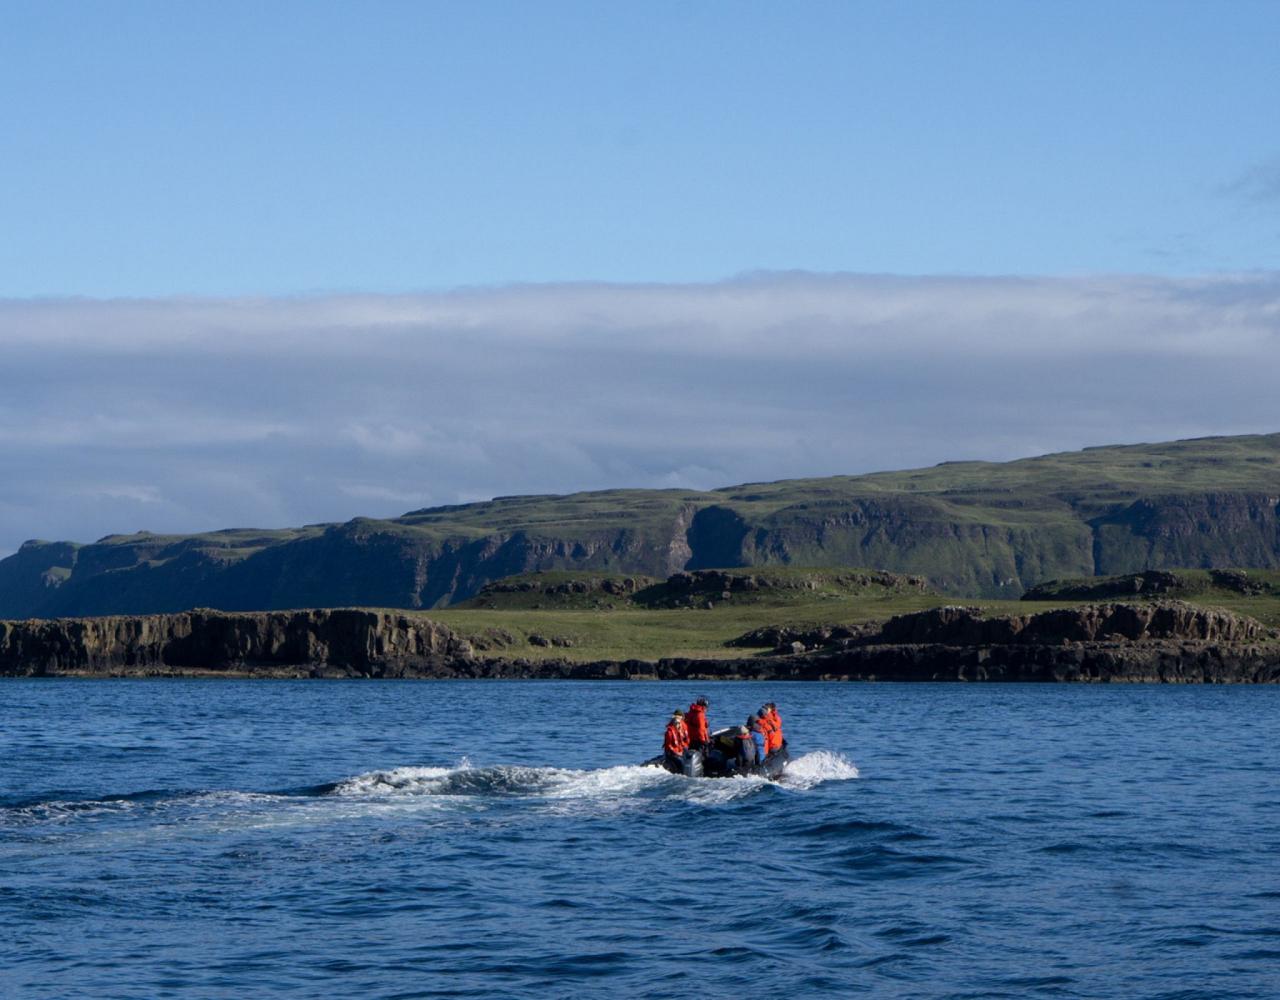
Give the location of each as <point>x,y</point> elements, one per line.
<point>676,738</point>
<point>762,727</point>
<point>696,718</point>
<point>773,738</point>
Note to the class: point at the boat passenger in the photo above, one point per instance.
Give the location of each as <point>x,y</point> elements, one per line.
<point>773,737</point>
<point>696,720</point>
<point>776,720</point>
<point>746,750</point>
<point>675,741</point>
<point>759,735</point>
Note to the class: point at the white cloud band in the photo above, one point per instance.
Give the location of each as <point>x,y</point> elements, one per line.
<point>278,411</point>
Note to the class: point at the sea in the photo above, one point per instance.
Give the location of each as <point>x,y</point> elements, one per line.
<point>494,839</point>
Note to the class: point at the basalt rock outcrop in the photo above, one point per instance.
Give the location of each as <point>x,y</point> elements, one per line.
<point>690,589</point>
<point>1170,621</point>
<point>1169,643</point>
<point>342,642</point>
<point>682,589</point>
<point>1152,583</point>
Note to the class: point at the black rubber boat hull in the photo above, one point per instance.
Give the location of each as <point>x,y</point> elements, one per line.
<point>694,764</point>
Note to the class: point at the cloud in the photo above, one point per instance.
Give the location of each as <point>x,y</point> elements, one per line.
<point>186,414</point>
<point>138,494</point>
<point>372,491</point>
<point>1259,185</point>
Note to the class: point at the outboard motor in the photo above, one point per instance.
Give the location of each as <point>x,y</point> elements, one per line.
<point>691,763</point>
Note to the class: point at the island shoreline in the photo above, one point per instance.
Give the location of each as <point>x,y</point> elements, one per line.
<point>1162,643</point>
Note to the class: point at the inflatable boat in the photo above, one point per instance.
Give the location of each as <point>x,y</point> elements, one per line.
<point>720,760</point>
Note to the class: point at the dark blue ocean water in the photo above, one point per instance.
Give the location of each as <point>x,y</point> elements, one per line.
<point>491,839</point>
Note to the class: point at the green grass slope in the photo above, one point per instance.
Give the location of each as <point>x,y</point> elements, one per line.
<point>553,618</point>
<point>972,528</point>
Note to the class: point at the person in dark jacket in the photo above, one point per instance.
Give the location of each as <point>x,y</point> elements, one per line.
<point>746,750</point>
<point>759,735</point>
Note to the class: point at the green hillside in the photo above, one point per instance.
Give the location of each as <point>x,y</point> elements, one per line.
<point>700,589</point>
<point>978,529</point>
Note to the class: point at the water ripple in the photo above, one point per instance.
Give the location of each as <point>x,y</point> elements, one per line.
<point>190,839</point>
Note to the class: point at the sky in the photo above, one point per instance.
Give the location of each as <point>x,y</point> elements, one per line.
<point>263,264</point>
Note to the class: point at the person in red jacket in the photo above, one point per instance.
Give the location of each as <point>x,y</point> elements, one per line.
<point>696,720</point>
<point>675,741</point>
<point>776,722</point>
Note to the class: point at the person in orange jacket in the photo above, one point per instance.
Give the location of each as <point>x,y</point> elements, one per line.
<point>696,720</point>
<point>675,741</point>
<point>766,730</point>
<point>775,721</point>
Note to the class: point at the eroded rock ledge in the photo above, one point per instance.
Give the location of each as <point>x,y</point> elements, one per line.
<point>346,642</point>
<point>1169,642</point>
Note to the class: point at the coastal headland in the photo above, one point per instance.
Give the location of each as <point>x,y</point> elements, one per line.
<point>1062,567</point>
<point>973,530</point>
<point>1160,642</point>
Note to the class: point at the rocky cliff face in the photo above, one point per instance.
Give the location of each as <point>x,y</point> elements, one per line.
<point>1216,529</point>
<point>954,626</point>
<point>1158,583</point>
<point>363,562</point>
<point>343,642</point>
<point>1103,643</point>
<point>980,529</point>
<point>930,537</point>
<point>1169,642</point>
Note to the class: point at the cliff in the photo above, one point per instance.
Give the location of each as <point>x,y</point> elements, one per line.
<point>344,642</point>
<point>1169,643</point>
<point>1214,584</point>
<point>970,528</point>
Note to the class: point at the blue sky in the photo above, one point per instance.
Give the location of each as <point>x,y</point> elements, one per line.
<point>265,264</point>
<point>151,149</point>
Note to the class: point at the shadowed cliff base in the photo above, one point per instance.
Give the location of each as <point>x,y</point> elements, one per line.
<point>1143,643</point>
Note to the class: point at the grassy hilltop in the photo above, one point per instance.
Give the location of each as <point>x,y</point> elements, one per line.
<point>972,529</point>
<point>587,617</point>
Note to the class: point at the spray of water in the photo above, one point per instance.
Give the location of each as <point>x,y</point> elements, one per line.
<point>626,782</point>
<point>813,769</point>
<point>447,789</point>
